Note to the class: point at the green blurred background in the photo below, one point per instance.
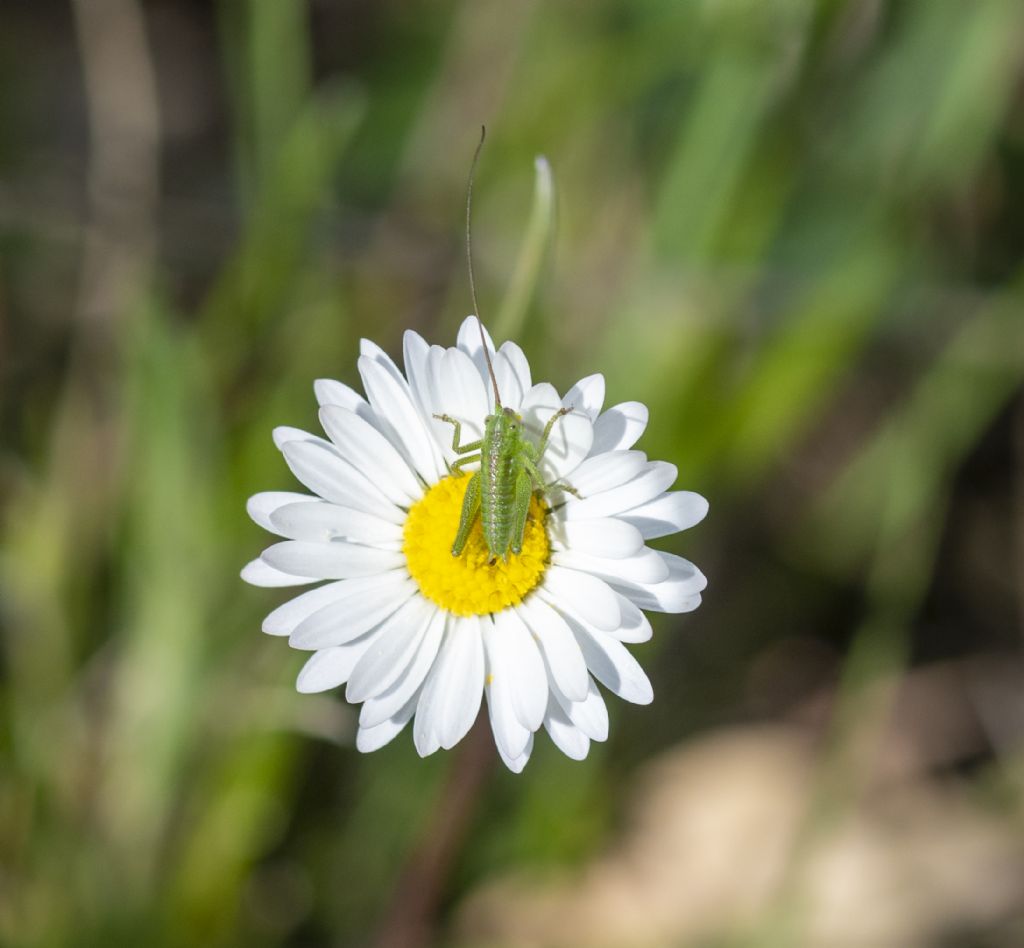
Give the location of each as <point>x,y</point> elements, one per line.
<point>794,228</point>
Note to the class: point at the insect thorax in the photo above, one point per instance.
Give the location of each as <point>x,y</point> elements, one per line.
<point>500,444</point>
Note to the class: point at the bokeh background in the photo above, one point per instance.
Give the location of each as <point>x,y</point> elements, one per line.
<point>793,228</point>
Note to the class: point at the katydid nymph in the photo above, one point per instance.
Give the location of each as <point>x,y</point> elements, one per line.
<point>500,492</point>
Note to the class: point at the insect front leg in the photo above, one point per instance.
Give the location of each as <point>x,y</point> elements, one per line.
<point>521,507</point>
<point>456,466</point>
<point>547,430</point>
<point>470,508</point>
<point>457,436</point>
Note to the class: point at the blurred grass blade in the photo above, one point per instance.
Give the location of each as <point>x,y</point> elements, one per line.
<point>256,283</point>
<point>168,554</point>
<point>267,49</point>
<point>815,347</point>
<point>530,261</point>
<point>948,410</point>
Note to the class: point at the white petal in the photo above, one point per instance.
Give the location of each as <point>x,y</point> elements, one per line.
<point>467,670</point>
<point>662,598</point>
<point>657,477</point>
<point>611,664</point>
<point>600,473</point>
<point>509,382</point>
<point>587,396</point>
<point>568,738</point>
<point>369,739</point>
<point>605,537</point>
<point>283,434</point>
<point>516,764</point>
<point>461,394</point>
<point>468,338</point>
<point>261,506</point>
<point>590,715</point>
<point>635,626</point>
<point>519,366</point>
<point>284,619</point>
<point>620,427</point>
<point>335,560</point>
<point>468,341</point>
<point>645,567</point>
<point>510,734</point>
<point>559,647</point>
<point>330,392</point>
<point>372,454</point>
<point>368,349</point>
<point>583,594</point>
<point>689,603</point>
<point>450,699</point>
<point>387,703</point>
<point>362,604</point>
<point>435,405</point>
<point>322,521</point>
<point>539,404</point>
<point>517,658</point>
<point>330,667</point>
<point>260,573</point>
<point>669,513</point>
<point>400,420</point>
<point>329,476</point>
<point>570,438</point>
<point>394,647</point>
<point>416,354</point>
<point>675,594</point>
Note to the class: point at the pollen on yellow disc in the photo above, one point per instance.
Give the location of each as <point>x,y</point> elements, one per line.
<point>470,583</point>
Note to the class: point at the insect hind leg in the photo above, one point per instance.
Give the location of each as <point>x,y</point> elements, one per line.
<point>470,509</point>
<point>521,507</point>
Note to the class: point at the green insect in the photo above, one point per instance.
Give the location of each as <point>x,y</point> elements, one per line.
<point>509,473</point>
<point>501,490</point>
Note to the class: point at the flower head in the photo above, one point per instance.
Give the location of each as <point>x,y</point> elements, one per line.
<point>415,632</point>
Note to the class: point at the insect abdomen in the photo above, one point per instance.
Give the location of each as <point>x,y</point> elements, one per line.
<point>497,495</point>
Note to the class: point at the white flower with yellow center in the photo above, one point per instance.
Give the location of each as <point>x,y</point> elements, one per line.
<point>416,632</point>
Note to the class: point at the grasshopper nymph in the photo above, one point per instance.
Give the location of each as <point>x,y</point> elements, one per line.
<point>501,490</point>
<point>509,473</point>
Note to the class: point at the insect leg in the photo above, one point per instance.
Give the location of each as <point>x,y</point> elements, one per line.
<point>547,429</point>
<point>465,459</point>
<point>470,508</point>
<point>530,465</point>
<point>457,436</point>
<point>561,485</point>
<point>521,508</point>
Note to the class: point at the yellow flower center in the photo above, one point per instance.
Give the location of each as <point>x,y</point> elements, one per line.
<point>472,583</point>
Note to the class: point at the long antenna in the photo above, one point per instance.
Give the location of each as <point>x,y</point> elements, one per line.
<point>469,263</point>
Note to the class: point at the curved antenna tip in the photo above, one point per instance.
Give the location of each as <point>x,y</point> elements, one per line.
<point>469,263</point>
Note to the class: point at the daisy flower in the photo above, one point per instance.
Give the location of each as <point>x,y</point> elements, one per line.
<point>417,634</point>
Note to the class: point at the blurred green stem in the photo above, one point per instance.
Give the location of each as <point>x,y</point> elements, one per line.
<point>267,48</point>
<point>525,277</point>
